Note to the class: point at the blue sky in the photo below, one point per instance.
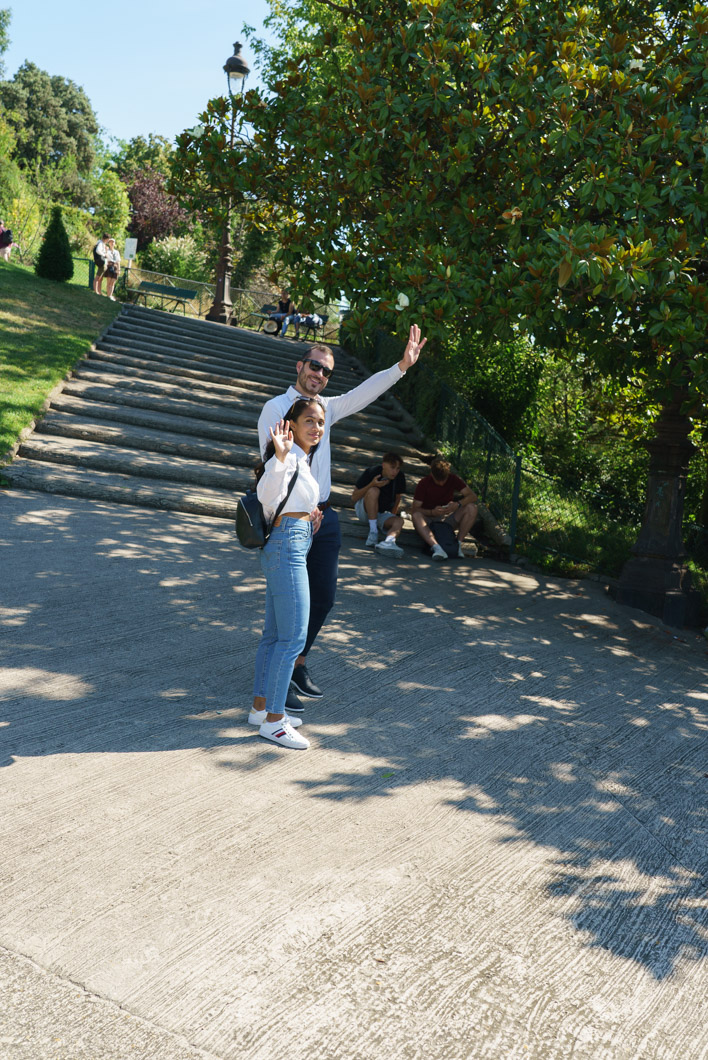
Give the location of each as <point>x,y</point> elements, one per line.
<point>146,66</point>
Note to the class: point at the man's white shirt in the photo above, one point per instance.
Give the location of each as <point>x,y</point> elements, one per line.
<point>336,408</point>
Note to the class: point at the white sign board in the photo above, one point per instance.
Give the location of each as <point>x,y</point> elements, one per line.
<point>130,250</point>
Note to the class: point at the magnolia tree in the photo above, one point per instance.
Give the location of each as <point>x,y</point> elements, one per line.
<point>534,167</point>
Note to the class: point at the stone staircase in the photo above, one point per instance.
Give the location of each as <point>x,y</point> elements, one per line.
<point>162,413</point>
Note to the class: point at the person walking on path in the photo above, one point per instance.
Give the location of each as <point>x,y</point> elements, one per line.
<point>112,267</point>
<point>313,374</point>
<point>286,464</point>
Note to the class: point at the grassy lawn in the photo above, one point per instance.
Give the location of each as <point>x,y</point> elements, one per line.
<point>45,328</point>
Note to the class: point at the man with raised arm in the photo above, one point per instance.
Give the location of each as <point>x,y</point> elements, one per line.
<point>313,374</point>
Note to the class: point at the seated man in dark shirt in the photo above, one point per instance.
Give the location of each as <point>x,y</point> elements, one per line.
<point>377,498</point>
<point>434,501</point>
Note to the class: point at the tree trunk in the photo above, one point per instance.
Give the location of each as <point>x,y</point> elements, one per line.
<point>656,579</point>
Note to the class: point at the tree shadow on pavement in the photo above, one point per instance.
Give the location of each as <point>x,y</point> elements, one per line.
<point>577,726</point>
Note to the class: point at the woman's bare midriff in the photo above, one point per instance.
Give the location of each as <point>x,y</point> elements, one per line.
<point>291,515</point>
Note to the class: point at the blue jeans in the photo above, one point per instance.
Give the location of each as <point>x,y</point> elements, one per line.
<point>284,563</point>
<point>322,571</point>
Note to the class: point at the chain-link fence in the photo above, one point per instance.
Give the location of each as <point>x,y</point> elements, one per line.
<point>83,272</point>
<point>541,514</point>
<point>455,430</point>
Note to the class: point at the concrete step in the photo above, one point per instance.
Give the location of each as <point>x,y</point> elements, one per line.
<point>144,492</point>
<point>383,410</point>
<point>347,462</point>
<point>280,365</point>
<point>235,342</point>
<point>120,489</point>
<point>141,399</point>
<point>160,369</point>
<point>99,456</point>
<point>218,334</point>
<point>147,419</point>
<point>237,420</point>
<point>129,436</point>
<point>108,456</point>
<point>103,373</point>
<point>154,419</point>
<point>120,486</point>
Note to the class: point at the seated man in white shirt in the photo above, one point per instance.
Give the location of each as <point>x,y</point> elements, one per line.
<point>313,374</point>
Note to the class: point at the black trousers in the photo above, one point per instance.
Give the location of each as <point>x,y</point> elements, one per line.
<point>322,571</point>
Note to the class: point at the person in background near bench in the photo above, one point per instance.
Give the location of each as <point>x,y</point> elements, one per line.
<point>99,258</point>
<point>112,266</point>
<point>434,501</point>
<point>377,498</point>
<point>6,242</point>
<point>313,374</point>
<point>286,309</point>
<point>306,320</point>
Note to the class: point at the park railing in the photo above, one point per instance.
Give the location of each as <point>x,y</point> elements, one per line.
<point>541,514</point>
<point>83,272</point>
<point>247,302</point>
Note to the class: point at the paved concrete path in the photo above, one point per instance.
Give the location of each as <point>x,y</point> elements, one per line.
<point>495,847</point>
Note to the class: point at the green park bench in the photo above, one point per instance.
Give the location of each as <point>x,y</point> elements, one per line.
<point>171,295</point>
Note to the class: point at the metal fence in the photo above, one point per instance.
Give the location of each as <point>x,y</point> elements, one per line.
<point>541,513</point>
<point>83,272</point>
<point>247,302</point>
<point>457,431</point>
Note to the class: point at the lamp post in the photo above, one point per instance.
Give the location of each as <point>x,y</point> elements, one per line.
<point>222,307</point>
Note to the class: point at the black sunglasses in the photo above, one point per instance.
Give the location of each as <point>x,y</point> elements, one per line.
<point>317,367</point>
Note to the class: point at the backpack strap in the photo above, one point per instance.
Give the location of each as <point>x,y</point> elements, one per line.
<point>290,489</point>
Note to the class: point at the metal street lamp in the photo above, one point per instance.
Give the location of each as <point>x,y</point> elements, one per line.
<point>222,308</point>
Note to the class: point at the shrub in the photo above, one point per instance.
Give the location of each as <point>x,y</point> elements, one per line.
<point>54,261</point>
<point>177,256</point>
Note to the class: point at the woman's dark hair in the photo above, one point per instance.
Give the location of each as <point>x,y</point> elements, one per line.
<point>292,415</point>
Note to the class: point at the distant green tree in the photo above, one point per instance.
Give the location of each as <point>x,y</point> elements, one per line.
<point>256,249</point>
<point>141,152</point>
<point>52,119</point>
<point>5,15</point>
<point>112,212</point>
<point>54,261</point>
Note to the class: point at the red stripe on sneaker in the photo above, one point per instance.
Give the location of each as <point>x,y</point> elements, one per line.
<point>281,732</point>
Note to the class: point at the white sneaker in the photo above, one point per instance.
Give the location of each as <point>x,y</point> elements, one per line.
<point>257,717</point>
<point>372,539</point>
<point>389,548</point>
<point>439,553</point>
<point>283,733</point>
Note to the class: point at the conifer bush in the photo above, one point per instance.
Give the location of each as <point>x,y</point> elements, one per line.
<point>54,261</point>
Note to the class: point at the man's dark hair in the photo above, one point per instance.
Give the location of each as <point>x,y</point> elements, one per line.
<point>106,235</point>
<point>392,458</point>
<point>440,469</point>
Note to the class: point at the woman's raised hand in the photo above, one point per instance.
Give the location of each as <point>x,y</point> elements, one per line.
<point>282,438</point>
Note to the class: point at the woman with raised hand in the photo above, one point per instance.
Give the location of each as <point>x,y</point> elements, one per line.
<point>289,452</point>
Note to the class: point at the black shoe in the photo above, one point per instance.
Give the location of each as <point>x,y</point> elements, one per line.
<point>292,703</point>
<point>304,683</point>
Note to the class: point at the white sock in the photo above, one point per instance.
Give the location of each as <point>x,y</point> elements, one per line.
<point>391,537</point>
<point>373,526</point>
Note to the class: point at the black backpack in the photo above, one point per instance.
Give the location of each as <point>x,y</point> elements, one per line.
<point>98,259</point>
<point>445,537</point>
